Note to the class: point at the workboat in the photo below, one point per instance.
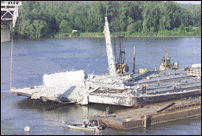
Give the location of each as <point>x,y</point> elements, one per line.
<point>167,61</point>
<point>86,125</point>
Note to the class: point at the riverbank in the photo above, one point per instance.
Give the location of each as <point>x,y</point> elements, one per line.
<point>98,34</point>
<point>101,35</point>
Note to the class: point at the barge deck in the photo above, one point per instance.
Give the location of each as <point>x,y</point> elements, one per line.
<point>98,89</point>
<point>151,114</point>
<point>187,86</point>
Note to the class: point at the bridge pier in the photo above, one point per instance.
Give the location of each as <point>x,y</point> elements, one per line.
<point>5,34</point>
<point>9,14</point>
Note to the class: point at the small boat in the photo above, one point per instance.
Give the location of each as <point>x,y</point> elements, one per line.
<point>86,125</point>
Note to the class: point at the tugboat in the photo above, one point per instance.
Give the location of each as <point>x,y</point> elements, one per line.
<point>86,125</point>
<point>168,64</point>
<point>167,61</point>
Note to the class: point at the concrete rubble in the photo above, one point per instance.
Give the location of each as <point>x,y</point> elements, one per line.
<point>69,86</point>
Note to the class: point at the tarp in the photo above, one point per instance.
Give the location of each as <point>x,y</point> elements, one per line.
<point>196,65</point>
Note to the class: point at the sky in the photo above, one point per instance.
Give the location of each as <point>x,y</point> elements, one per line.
<point>187,2</point>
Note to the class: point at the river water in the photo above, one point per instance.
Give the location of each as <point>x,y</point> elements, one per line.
<point>34,58</point>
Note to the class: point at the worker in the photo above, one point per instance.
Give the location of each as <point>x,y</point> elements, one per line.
<point>198,77</point>
<point>158,83</point>
<point>186,81</point>
<point>143,86</point>
<point>173,84</point>
<point>138,87</point>
<point>94,122</point>
<point>175,73</point>
<point>86,124</point>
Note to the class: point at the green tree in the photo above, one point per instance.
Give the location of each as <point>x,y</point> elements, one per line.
<point>181,28</point>
<point>130,16</point>
<point>186,18</point>
<point>189,28</point>
<point>123,14</point>
<point>135,9</point>
<point>130,28</point>
<point>198,31</point>
<point>151,16</point>
<point>64,27</point>
<point>138,26</point>
<point>31,31</point>
<point>171,13</point>
<point>41,28</point>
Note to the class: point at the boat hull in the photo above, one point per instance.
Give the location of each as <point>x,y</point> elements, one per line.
<point>79,127</point>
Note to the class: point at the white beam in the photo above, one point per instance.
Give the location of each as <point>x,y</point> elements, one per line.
<point>111,63</point>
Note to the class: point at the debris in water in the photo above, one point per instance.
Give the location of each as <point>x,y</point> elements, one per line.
<point>27,129</point>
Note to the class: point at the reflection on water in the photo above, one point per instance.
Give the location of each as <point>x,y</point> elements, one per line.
<point>39,105</point>
<point>76,113</point>
<point>54,117</point>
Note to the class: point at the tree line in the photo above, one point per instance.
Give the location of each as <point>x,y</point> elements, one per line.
<point>39,19</point>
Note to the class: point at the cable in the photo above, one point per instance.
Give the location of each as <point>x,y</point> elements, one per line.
<point>11,63</point>
<point>95,60</point>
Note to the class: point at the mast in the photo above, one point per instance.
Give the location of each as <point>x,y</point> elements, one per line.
<point>165,58</point>
<point>111,63</point>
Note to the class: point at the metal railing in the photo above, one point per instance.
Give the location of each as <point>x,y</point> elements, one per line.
<point>11,3</point>
<point>194,72</point>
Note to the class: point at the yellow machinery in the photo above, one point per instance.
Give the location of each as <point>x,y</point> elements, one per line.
<point>143,70</point>
<point>162,65</point>
<point>121,68</point>
<point>168,64</point>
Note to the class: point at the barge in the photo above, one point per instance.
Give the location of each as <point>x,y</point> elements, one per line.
<point>151,114</point>
<point>116,88</point>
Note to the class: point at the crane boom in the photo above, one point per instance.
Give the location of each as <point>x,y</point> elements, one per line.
<point>111,63</point>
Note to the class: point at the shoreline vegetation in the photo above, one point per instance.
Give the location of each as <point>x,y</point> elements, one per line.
<point>100,35</point>
<point>112,35</point>
<point>67,19</point>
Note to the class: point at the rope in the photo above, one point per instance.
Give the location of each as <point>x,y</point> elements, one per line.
<point>95,60</point>
<point>11,63</point>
